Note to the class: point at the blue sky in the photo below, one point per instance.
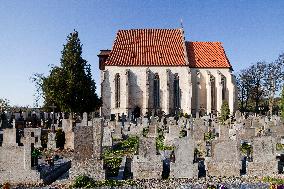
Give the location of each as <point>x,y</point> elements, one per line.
<point>32,33</point>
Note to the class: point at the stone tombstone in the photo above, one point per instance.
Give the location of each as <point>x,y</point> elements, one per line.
<point>183,167</point>
<point>87,150</point>
<point>16,161</point>
<point>145,122</point>
<point>51,142</point>
<point>224,132</point>
<point>117,131</point>
<point>139,121</point>
<point>238,115</point>
<point>247,133</point>
<point>153,127</point>
<point>9,137</point>
<point>85,119</point>
<point>67,127</point>
<point>225,159</point>
<point>255,123</point>
<point>199,129</point>
<point>147,165</point>
<point>173,133</point>
<point>107,139</point>
<point>147,147</point>
<point>264,157</point>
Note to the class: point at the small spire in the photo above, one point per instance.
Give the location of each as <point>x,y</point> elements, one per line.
<point>181,24</point>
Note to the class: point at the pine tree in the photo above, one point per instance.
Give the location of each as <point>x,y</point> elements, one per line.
<point>70,86</point>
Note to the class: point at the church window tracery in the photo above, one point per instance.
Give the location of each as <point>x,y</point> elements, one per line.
<point>176,92</point>
<point>156,91</point>
<point>117,90</point>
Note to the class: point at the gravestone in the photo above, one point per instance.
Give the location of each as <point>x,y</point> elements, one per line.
<point>9,137</point>
<point>153,127</point>
<point>51,142</point>
<point>107,139</point>
<point>238,116</point>
<point>16,161</point>
<point>225,159</point>
<point>147,165</point>
<point>199,129</point>
<point>88,150</point>
<point>183,167</point>
<point>145,122</point>
<point>247,133</point>
<point>264,157</point>
<point>117,131</point>
<point>84,121</point>
<point>174,133</point>
<point>67,127</point>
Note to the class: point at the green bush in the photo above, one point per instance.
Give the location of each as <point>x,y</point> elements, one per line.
<point>36,153</point>
<point>160,142</point>
<point>279,146</point>
<point>246,148</point>
<point>82,182</point>
<point>271,180</point>
<point>225,111</point>
<point>145,131</point>
<point>209,136</point>
<point>113,157</point>
<point>182,133</point>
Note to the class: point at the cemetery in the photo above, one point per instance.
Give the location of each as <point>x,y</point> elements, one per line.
<point>140,151</point>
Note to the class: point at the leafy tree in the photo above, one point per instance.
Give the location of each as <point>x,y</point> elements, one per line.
<point>273,80</point>
<point>4,104</point>
<point>282,103</point>
<point>225,111</point>
<point>244,84</point>
<point>69,86</point>
<point>257,72</point>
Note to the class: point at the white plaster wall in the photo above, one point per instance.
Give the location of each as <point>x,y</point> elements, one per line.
<point>230,91</point>
<point>137,88</point>
<point>193,97</point>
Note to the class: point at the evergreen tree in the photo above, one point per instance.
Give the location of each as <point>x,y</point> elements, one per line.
<point>69,86</point>
<point>225,111</point>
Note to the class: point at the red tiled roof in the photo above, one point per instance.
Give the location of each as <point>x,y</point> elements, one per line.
<point>164,47</point>
<point>148,47</point>
<point>206,55</point>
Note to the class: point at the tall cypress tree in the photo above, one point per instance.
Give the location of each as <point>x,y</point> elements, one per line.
<point>70,86</point>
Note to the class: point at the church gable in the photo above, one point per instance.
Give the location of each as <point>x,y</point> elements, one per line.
<point>148,47</point>
<point>206,55</point>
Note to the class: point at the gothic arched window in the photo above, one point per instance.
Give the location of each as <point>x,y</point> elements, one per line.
<point>213,101</point>
<point>224,86</point>
<point>176,92</point>
<point>117,90</point>
<point>156,91</point>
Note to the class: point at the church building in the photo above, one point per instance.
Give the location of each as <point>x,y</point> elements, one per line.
<point>158,71</point>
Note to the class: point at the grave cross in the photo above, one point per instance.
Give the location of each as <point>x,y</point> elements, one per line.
<point>52,127</point>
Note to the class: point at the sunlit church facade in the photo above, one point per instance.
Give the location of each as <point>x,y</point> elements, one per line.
<point>156,70</point>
